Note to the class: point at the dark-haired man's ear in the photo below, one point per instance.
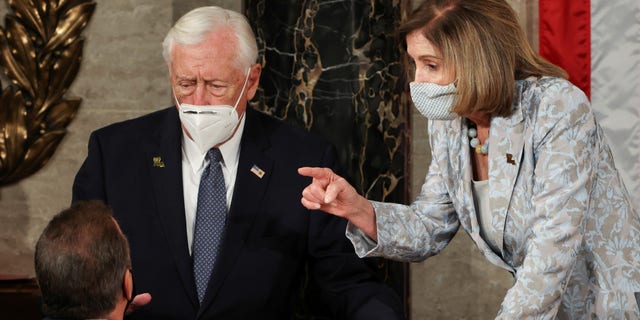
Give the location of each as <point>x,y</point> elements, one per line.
<point>127,285</point>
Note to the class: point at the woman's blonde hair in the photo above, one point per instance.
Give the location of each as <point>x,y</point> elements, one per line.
<point>484,43</point>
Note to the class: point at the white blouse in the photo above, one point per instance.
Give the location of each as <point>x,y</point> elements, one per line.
<point>481,199</point>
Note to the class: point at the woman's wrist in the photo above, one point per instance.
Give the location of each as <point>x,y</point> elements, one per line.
<point>365,219</point>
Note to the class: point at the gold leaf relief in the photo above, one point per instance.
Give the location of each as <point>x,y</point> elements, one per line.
<point>62,113</point>
<point>64,70</point>
<point>27,12</point>
<point>14,129</point>
<point>40,53</point>
<point>41,150</point>
<point>11,68</point>
<point>70,25</point>
<point>22,51</point>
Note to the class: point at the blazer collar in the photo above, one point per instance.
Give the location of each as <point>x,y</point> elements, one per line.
<point>506,142</point>
<point>505,157</point>
<point>165,169</point>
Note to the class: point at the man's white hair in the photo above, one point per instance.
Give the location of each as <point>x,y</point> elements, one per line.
<point>197,24</point>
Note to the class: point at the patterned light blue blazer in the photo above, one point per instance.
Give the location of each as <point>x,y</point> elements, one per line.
<point>568,231</point>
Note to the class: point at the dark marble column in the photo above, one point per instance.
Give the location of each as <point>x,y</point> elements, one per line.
<point>334,67</point>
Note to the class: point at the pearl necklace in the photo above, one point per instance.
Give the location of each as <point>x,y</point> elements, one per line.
<point>474,142</point>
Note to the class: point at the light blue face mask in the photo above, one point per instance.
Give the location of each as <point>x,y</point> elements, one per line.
<point>433,100</point>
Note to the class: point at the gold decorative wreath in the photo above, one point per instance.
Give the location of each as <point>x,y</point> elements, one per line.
<point>40,53</point>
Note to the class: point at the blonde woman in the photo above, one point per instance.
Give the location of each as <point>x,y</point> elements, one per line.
<point>518,161</point>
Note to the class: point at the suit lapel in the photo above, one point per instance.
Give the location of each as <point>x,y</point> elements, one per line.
<point>165,169</point>
<point>462,175</point>
<point>252,180</point>
<point>468,207</point>
<point>505,155</point>
<point>464,157</point>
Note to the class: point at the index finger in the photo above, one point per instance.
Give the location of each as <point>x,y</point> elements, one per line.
<point>315,172</point>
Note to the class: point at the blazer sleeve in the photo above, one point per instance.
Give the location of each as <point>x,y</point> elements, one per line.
<point>347,283</point>
<point>89,181</point>
<point>563,150</point>
<point>420,230</point>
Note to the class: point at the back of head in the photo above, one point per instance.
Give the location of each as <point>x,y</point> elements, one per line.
<point>80,262</point>
<point>194,26</point>
<point>486,46</point>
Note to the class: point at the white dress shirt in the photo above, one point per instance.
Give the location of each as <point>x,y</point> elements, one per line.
<point>194,162</point>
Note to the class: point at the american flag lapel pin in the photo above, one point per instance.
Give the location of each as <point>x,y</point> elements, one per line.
<point>257,171</point>
<point>157,162</point>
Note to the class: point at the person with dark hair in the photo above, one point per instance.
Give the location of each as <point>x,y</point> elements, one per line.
<point>207,194</point>
<point>519,161</point>
<point>83,266</point>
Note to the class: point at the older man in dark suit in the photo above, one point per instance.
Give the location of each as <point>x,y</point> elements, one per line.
<point>209,196</point>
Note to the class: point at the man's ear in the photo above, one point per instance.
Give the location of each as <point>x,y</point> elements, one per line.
<point>254,80</point>
<point>127,284</point>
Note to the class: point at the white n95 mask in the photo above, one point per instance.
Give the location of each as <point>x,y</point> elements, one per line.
<point>434,101</point>
<point>210,125</point>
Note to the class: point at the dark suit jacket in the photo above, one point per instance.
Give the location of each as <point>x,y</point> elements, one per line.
<point>135,166</point>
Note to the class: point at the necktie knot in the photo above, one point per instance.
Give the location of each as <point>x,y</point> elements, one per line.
<point>214,155</point>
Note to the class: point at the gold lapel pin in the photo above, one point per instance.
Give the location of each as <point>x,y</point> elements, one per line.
<point>157,162</point>
<point>257,171</point>
<point>510,159</point>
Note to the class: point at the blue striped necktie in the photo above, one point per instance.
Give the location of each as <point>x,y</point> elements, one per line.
<point>211,215</point>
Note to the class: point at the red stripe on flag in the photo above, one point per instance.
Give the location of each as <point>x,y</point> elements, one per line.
<point>565,38</point>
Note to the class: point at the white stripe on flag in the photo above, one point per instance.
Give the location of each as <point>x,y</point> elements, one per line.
<point>615,83</point>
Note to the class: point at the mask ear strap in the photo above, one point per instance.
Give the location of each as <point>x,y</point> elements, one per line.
<point>244,86</point>
<point>175,98</point>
